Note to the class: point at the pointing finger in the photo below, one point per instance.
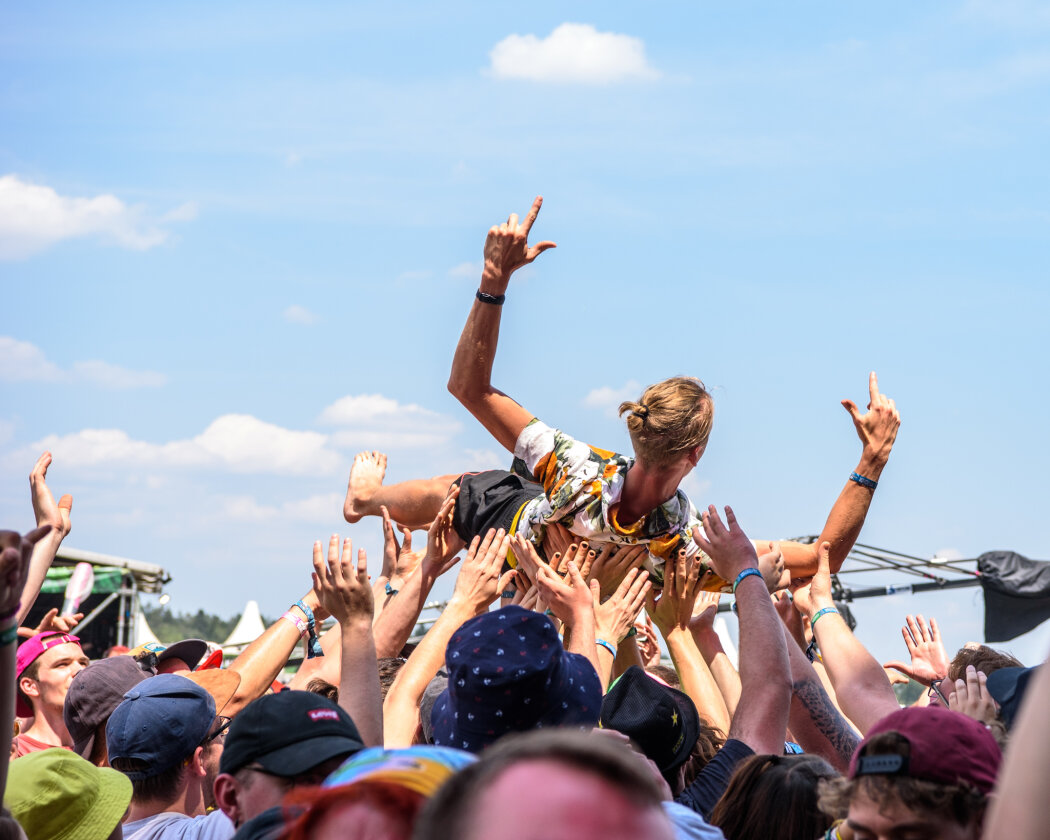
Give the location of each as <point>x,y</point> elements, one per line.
<point>873,386</point>
<point>534,211</point>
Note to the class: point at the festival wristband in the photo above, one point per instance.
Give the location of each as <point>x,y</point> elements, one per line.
<point>863,481</point>
<point>313,648</point>
<point>823,612</point>
<point>8,635</point>
<point>744,574</point>
<point>390,590</point>
<point>609,646</point>
<point>495,300</point>
<point>300,625</point>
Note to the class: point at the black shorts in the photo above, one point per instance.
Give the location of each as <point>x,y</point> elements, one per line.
<point>490,499</point>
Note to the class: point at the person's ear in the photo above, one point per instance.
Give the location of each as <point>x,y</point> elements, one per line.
<point>696,453</point>
<point>29,687</point>
<point>197,763</point>
<point>227,791</point>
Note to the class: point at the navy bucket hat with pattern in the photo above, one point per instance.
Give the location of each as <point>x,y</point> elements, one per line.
<point>508,672</point>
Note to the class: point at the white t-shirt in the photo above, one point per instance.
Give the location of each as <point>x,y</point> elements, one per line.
<point>171,826</point>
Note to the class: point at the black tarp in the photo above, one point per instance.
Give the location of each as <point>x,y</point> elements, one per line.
<point>1016,594</point>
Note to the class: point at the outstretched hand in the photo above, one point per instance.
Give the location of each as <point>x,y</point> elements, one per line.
<point>814,593</point>
<point>443,543</point>
<point>673,609</point>
<point>929,659</point>
<point>343,589</point>
<point>727,545</point>
<point>399,561</point>
<point>44,507</point>
<point>876,428</point>
<point>507,249</point>
<point>479,582</point>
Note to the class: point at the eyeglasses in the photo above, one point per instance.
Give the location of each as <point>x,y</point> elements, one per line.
<point>220,731</point>
<point>935,691</point>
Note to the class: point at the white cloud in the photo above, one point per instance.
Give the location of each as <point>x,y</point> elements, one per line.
<point>573,53</point>
<point>183,213</point>
<point>608,398</point>
<point>485,459</point>
<point>321,509</point>
<point>239,443</point>
<point>34,217</point>
<point>470,270</point>
<point>372,420</point>
<point>296,314</point>
<point>117,377</point>
<point>697,489</point>
<point>21,361</point>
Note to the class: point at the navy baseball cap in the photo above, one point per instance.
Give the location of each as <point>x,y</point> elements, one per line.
<point>161,721</point>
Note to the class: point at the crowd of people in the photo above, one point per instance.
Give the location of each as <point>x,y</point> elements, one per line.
<point>537,705</point>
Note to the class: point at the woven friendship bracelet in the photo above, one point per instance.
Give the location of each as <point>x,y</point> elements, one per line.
<point>313,646</point>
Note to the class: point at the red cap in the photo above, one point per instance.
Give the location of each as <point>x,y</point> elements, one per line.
<point>947,747</point>
<point>28,653</point>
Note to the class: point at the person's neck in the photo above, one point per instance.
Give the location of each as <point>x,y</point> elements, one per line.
<point>644,490</point>
<point>188,802</point>
<point>49,727</point>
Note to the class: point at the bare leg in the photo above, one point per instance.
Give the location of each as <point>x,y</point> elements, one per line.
<point>413,504</point>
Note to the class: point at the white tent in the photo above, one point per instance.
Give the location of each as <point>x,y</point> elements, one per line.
<point>249,628</point>
<point>140,630</point>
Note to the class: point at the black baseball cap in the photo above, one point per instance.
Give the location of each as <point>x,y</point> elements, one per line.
<point>288,734</point>
<point>662,721</point>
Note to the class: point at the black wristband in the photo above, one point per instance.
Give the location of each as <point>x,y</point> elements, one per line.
<point>495,300</point>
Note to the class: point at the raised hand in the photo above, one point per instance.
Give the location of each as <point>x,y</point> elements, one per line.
<point>15,554</point>
<point>557,539</point>
<point>479,582</point>
<point>929,659</point>
<point>44,507</point>
<point>771,564</point>
<point>704,611</point>
<point>611,566</point>
<point>876,428</point>
<point>970,696</point>
<point>814,593</point>
<point>52,622</point>
<point>727,545</point>
<point>443,543</point>
<point>399,561</point>
<point>571,600</point>
<point>673,609</point>
<point>507,249</point>
<point>614,618</point>
<point>342,589</point>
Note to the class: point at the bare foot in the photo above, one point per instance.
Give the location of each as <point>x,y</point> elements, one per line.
<point>366,476</point>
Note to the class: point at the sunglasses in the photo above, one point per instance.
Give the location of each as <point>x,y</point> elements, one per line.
<point>220,731</point>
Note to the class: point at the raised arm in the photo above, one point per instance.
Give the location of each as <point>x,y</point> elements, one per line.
<point>765,673</point>
<point>345,592</point>
<point>877,430</point>
<point>860,683</point>
<point>394,627</point>
<point>506,250</point>
<point>477,586</point>
<point>47,513</point>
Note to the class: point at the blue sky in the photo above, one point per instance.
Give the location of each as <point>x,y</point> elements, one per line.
<point>238,244</point>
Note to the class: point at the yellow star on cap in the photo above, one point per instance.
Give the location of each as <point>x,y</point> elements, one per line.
<point>674,717</point>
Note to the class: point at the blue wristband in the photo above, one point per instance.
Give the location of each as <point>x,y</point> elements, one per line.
<point>825,611</point>
<point>609,646</point>
<point>390,590</point>
<point>744,574</point>
<point>313,646</point>
<point>863,481</point>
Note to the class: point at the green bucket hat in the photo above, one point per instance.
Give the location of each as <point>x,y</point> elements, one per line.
<point>57,795</point>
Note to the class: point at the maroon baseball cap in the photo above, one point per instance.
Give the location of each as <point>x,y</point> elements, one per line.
<point>28,653</point>
<point>947,747</point>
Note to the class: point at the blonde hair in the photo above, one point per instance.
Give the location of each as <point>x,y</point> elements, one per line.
<point>669,419</point>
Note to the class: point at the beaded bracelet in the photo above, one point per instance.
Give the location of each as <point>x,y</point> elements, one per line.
<point>823,612</point>
<point>744,574</point>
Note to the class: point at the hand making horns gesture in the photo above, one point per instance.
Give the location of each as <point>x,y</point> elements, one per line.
<point>507,249</point>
